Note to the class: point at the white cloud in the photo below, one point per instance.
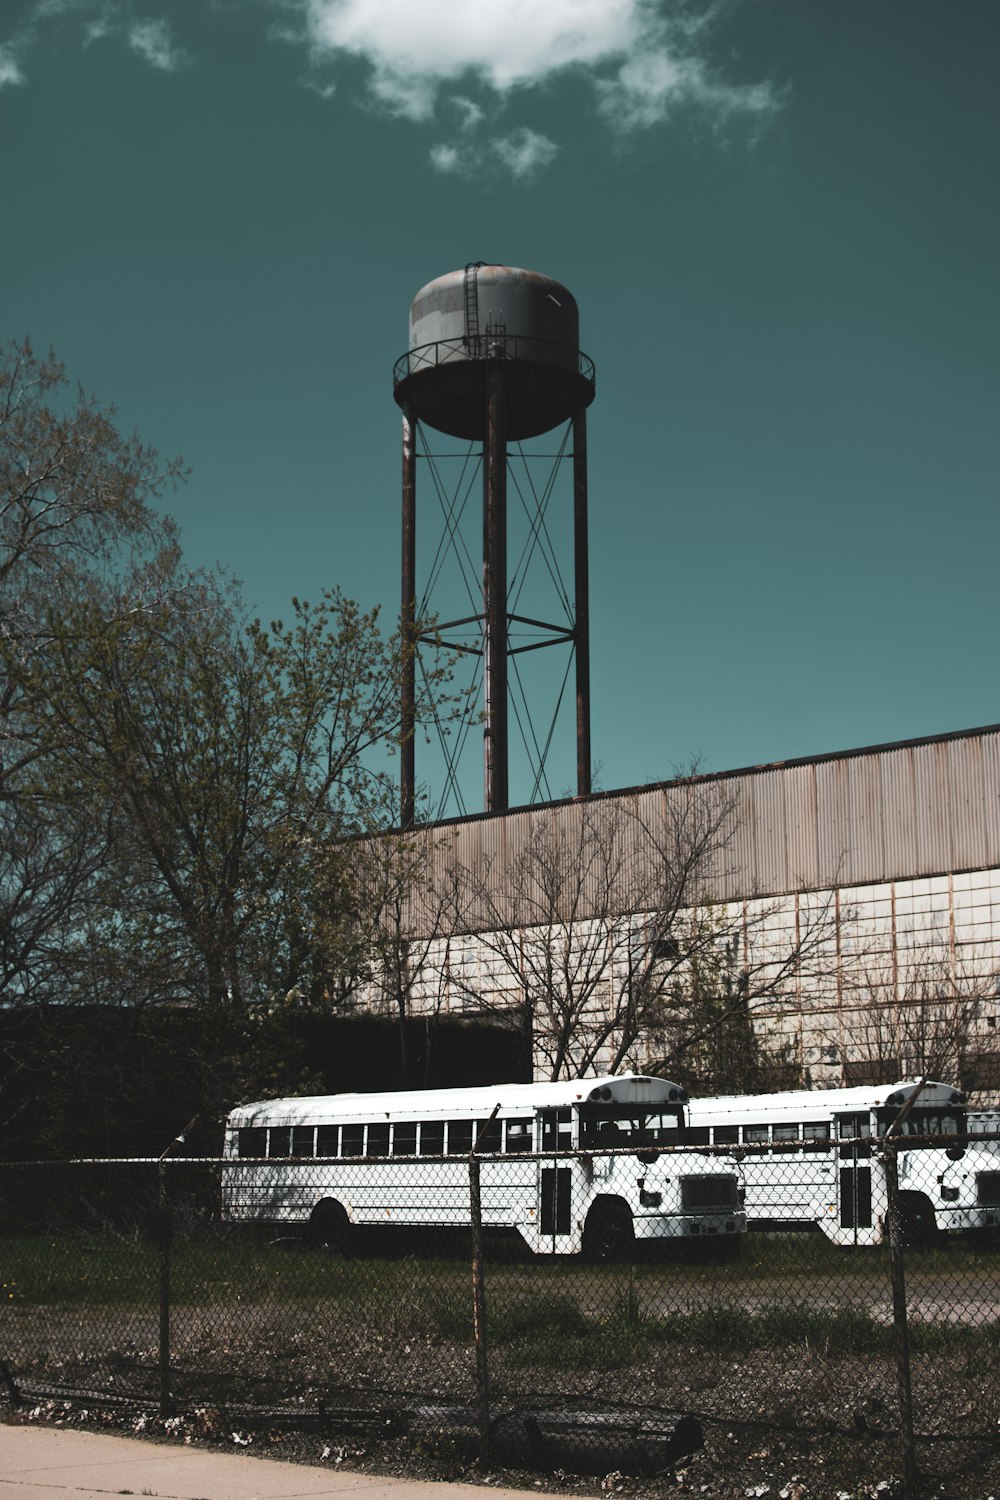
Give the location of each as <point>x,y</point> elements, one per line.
<point>152,41</point>
<point>10,71</point>
<point>524,152</point>
<point>648,89</point>
<point>451,159</point>
<point>99,20</point>
<point>521,152</point>
<point>642,56</point>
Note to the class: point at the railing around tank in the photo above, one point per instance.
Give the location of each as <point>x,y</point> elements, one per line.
<point>514,346</point>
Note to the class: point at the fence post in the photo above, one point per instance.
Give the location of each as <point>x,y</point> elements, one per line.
<point>163,1228</point>
<point>900,1329</point>
<point>479,1302</point>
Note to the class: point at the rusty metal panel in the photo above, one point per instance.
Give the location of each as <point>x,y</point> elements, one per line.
<point>771,844</point>
<point>866,835</point>
<point>833,822</point>
<point>991,800</point>
<point>899,815</point>
<point>801,827</point>
<point>932,809</point>
<point>968,798</point>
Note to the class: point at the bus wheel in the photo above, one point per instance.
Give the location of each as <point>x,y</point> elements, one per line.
<point>329,1226</point>
<point>608,1234</point>
<point>917,1222</point>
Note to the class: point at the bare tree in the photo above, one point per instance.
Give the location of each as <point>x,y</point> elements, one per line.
<point>603,935</point>
<point>917,1015</point>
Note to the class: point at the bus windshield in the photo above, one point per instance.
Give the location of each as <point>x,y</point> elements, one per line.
<point>603,1126</point>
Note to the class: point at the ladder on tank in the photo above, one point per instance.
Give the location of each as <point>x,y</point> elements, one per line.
<point>472,343</point>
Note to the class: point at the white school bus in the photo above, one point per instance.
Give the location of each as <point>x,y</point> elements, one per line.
<point>813,1159</point>
<point>587,1165</point>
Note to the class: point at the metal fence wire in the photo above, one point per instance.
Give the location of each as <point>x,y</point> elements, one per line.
<point>530,1318</point>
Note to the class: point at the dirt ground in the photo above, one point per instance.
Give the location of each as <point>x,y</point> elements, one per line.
<point>812,1430</point>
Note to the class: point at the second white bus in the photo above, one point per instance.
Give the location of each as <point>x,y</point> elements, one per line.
<point>812,1159</point>
<point>588,1165</point>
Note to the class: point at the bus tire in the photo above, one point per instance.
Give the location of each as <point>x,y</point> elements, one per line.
<point>917,1221</point>
<point>329,1226</point>
<point>608,1234</point>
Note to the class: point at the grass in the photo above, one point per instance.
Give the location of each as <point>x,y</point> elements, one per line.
<point>552,1314</point>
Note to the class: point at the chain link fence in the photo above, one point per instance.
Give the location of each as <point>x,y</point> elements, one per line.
<point>523,1314</point>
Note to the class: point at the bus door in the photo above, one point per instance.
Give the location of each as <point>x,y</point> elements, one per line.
<point>854,1150</point>
<point>555,1180</point>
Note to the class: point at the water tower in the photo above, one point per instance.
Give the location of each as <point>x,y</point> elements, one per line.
<point>493,360</point>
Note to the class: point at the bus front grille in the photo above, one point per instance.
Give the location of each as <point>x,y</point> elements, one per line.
<point>704,1194</point>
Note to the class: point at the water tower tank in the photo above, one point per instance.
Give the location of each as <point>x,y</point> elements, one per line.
<point>461,323</point>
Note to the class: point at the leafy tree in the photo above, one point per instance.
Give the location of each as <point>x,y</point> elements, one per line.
<point>75,508</point>
<point>177,782</point>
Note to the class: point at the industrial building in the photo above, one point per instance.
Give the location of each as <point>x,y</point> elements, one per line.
<point>869,880</point>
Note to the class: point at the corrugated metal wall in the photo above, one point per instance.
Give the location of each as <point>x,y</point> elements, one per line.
<point>894,812</point>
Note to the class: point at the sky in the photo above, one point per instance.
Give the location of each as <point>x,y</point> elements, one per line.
<point>781,223</point>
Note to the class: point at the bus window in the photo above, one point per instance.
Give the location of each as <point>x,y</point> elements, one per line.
<point>302,1140</point>
<point>854,1127</point>
<point>432,1138</point>
<point>459,1137</point>
<point>519,1135</point>
<point>404,1139</point>
<point>697,1135</point>
<point>377,1143</point>
<point>557,1130</point>
<point>352,1140</point>
<point>252,1141</point>
<point>727,1135</point>
<point>815,1135</point>
<point>488,1135</point>
<point>785,1132</point>
<point>327,1140</point>
<point>279,1140</point>
<point>755,1135</point>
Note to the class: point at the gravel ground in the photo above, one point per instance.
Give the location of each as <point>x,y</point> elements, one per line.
<point>808,1428</point>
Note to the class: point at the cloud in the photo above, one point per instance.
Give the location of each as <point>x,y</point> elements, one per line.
<point>10,71</point>
<point>152,41</point>
<point>522,153</point>
<point>647,89</point>
<point>149,37</point>
<point>644,58</point>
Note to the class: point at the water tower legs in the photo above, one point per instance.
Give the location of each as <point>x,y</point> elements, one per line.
<point>407,622</point>
<point>495,643</point>
<point>581,634</point>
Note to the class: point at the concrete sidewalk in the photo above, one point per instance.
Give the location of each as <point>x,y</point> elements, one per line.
<point>51,1463</point>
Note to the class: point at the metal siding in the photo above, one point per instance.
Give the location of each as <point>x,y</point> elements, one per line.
<point>932,803</point>
<point>867,825</point>
<point>799,783</point>
<point>991,799</point>
<point>770,848</point>
<point>833,824</point>
<point>743,846</point>
<point>968,798</point>
<point>898,815</point>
